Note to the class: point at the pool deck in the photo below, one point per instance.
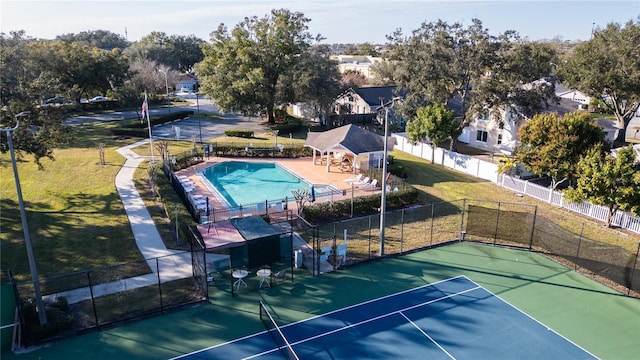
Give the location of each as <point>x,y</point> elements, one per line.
<point>303,167</point>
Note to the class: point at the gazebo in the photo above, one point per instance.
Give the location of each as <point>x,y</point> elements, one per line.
<point>348,147</point>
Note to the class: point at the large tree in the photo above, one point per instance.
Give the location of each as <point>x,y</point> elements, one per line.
<point>102,39</point>
<point>434,122</point>
<point>441,62</point>
<point>607,68</point>
<point>314,80</point>
<point>611,181</point>
<point>179,53</point>
<point>551,145</point>
<point>242,68</point>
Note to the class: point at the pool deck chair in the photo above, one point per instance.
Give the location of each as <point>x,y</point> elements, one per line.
<point>370,186</point>
<point>354,179</point>
<point>362,182</point>
<point>325,252</point>
<point>342,252</point>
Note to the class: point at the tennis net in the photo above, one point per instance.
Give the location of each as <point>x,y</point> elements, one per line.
<point>276,333</point>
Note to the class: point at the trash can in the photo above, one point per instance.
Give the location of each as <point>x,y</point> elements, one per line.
<point>298,258</point>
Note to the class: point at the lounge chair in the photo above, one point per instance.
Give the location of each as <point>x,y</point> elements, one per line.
<point>362,182</point>
<point>370,186</point>
<point>354,179</point>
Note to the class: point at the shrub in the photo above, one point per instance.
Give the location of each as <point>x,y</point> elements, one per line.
<point>58,319</point>
<point>247,134</point>
<point>362,206</point>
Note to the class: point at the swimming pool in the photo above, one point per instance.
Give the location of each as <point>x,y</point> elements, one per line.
<point>244,183</point>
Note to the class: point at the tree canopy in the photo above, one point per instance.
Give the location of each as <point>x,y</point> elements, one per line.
<point>607,68</point>
<point>179,53</point>
<point>435,122</point>
<point>441,61</point>
<point>242,68</point>
<point>551,145</point>
<point>102,39</point>
<point>314,80</point>
<point>610,181</point>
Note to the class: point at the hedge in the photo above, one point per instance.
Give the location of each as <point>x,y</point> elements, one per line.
<point>362,205</point>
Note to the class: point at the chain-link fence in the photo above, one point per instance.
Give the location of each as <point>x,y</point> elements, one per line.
<point>352,241</point>
<point>360,239</point>
<point>94,298</point>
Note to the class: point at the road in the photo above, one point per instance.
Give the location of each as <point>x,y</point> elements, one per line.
<point>200,127</point>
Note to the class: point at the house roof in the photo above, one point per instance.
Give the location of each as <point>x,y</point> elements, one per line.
<point>373,94</point>
<point>350,138</point>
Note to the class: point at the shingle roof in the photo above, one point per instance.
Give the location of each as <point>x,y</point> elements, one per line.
<point>372,95</point>
<point>350,137</point>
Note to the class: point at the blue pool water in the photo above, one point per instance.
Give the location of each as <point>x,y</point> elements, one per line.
<point>245,183</point>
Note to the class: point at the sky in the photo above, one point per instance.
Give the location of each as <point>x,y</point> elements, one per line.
<point>346,21</point>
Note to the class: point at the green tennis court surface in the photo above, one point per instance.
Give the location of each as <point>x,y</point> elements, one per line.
<point>592,316</point>
<point>450,319</point>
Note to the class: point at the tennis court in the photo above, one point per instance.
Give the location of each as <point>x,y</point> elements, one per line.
<point>450,319</point>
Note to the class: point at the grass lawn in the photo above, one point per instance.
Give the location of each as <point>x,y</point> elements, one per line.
<point>77,221</point>
<point>75,216</point>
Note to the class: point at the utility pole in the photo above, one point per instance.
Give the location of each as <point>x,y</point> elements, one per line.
<point>42,316</point>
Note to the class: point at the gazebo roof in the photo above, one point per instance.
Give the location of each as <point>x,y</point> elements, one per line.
<point>349,138</point>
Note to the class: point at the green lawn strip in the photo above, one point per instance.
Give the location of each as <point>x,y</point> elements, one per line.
<point>75,216</point>
<point>442,184</point>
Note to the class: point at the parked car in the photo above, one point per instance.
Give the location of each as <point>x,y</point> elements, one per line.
<point>184,90</point>
<point>98,99</point>
<point>54,100</point>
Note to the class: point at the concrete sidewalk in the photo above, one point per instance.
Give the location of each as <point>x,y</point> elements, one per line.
<point>173,264</point>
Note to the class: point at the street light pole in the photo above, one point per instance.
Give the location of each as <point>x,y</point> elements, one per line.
<point>383,200</point>
<point>199,126</point>
<point>166,87</point>
<point>42,316</point>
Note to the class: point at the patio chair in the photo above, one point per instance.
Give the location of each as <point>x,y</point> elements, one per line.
<point>354,179</point>
<point>325,252</point>
<point>370,186</point>
<point>364,181</point>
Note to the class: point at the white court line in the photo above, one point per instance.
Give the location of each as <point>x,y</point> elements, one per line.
<point>385,315</point>
<point>427,335</point>
<point>374,319</point>
<point>338,310</point>
<point>534,319</point>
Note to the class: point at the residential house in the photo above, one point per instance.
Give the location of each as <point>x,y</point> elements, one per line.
<point>577,96</point>
<point>496,130</point>
<point>358,63</point>
<point>188,81</point>
<point>368,104</point>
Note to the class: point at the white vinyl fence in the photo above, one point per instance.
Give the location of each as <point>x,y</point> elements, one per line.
<point>489,171</point>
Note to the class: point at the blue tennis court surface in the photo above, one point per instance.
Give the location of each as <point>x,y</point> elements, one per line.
<point>451,319</point>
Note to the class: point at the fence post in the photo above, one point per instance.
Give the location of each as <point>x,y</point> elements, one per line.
<point>159,285</point>
<point>495,234</point>
<point>633,270</point>
<point>369,255</point>
<point>464,206</point>
<point>401,231</point>
<point>93,300</point>
<point>431,230</point>
<point>533,226</point>
<point>575,264</point>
